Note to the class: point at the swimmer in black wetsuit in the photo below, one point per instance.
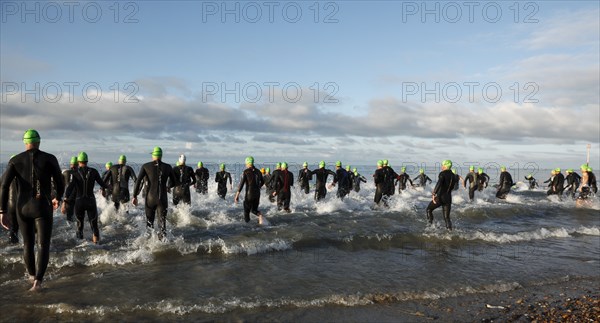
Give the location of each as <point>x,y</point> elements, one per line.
<point>357,179</point>
<point>271,183</point>
<point>389,178</point>
<point>268,177</point>
<point>253,180</point>
<point>158,175</point>
<point>573,179</point>
<point>457,178</point>
<point>350,178</point>
<point>442,194</point>
<point>202,176</point>
<point>584,189</point>
<point>304,176</point>
<point>321,175</point>
<point>34,171</point>
<point>13,235</point>
<point>107,179</point>
<point>532,181</point>
<point>221,178</point>
<point>118,176</point>
<point>67,179</point>
<point>340,176</point>
<point>379,180</point>
<point>482,178</point>
<point>85,200</point>
<point>504,183</point>
<point>549,180</point>
<point>283,183</point>
<point>423,179</point>
<point>184,178</point>
<point>592,180</point>
<point>402,179</point>
<point>558,181</point>
<point>472,178</point>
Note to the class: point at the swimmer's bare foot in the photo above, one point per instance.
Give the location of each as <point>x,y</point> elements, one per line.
<point>95,239</point>
<point>31,278</point>
<point>37,286</point>
<point>260,219</point>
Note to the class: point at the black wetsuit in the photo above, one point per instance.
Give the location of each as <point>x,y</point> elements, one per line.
<point>357,179</point>
<point>556,187</point>
<point>221,178</point>
<point>11,211</point>
<point>443,197</point>
<point>321,175</point>
<point>118,177</point>
<point>202,176</point>
<point>253,180</point>
<point>592,182</point>
<point>184,177</point>
<point>483,179</point>
<point>341,179</point>
<point>472,178</point>
<point>402,179</point>
<point>389,177</point>
<point>379,180</point>
<point>158,175</point>
<point>504,185</point>
<point>269,184</point>
<point>304,176</point>
<point>107,179</point>
<point>85,200</point>
<point>283,182</point>
<point>573,180</point>
<point>350,180</point>
<point>457,182</point>
<point>33,171</point>
<point>67,179</point>
<point>423,179</point>
<point>532,182</point>
<point>549,181</point>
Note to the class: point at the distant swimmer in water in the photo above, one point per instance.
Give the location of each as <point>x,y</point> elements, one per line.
<point>341,177</point>
<point>573,180</point>
<point>202,176</point>
<point>253,180</point>
<point>442,194</point>
<point>283,184</point>
<point>221,178</point>
<point>357,179</point>
<point>68,178</point>
<point>304,177</point>
<point>532,181</point>
<point>402,179</point>
<point>34,171</point>
<point>549,180</point>
<point>483,179</point>
<point>423,179</point>
<point>379,180</point>
<point>157,174</point>
<point>557,184</point>
<point>183,177</point>
<point>321,175</point>
<point>504,184</point>
<point>85,201</point>
<point>119,176</point>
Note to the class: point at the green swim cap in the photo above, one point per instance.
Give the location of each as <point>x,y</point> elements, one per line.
<point>284,165</point>
<point>305,164</point>
<point>268,170</point>
<point>222,166</point>
<point>454,170</point>
<point>502,168</point>
<point>177,163</point>
<point>12,156</point>
<point>31,136</point>
<point>480,170</point>
<point>589,169</point>
<point>321,164</point>
<point>529,176</point>
<point>471,168</point>
<point>379,163</point>
<point>338,164</point>
<point>421,170</point>
<point>354,170</point>
<point>447,163</point>
<point>385,162</point>
<point>278,165</point>
<point>570,170</point>
<point>584,167</point>
<point>348,167</point>
<point>122,158</point>
<point>403,169</point>
<point>82,157</point>
<point>108,165</point>
<point>157,152</point>
<point>557,170</point>
<point>249,160</point>
<point>200,164</point>
<point>73,160</point>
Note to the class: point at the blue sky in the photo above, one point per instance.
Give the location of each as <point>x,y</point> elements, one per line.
<point>362,69</point>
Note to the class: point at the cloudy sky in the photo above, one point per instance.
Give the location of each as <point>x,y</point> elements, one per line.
<point>349,80</point>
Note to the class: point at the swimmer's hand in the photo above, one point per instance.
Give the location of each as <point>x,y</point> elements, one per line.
<point>237,197</point>
<point>134,201</point>
<point>55,204</point>
<point>4,220</point>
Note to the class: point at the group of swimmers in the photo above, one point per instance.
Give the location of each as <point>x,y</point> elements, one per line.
<point>33,186</point>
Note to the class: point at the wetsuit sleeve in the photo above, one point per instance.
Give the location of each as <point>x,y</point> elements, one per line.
<point>100,182</point>
<point>7,178</point>
<point>291,179</point>
<point>438,185</point>
<point>59,184</point>
<point>106,176</point>
<point>172,179</point>
<point>261,180</point>
<point>229,176</point>
<point>139,181</point>
<point>416,178</point>
<point>428,179</point>
<point>132,174</point>
<point>192,176</point>
<point>242,183</point>
<point>362,179</point>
